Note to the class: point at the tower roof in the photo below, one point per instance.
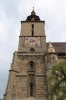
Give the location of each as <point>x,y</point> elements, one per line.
<point>33,16</point>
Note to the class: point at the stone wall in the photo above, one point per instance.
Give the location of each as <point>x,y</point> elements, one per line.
<point>26,28</point>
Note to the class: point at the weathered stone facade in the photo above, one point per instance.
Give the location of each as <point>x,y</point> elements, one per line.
<point>30,64</point>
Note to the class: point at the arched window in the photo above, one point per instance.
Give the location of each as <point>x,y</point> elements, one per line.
<point>32,50</point>
<point>31,65</point>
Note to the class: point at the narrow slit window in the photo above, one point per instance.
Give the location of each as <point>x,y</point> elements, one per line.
<point>32,26</point>
<point>32,33</point>
<point>31,89</point>
<point>32,29</point>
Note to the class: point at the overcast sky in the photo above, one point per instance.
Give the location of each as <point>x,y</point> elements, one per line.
<point>12,12</point>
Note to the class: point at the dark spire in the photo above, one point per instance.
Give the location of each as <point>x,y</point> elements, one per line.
<point>33,16</point>
<point>33,12</point>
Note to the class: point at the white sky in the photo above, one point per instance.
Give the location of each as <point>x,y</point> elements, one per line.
<point>12,12</point>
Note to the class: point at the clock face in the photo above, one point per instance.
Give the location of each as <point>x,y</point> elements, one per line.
<point>32,41</point>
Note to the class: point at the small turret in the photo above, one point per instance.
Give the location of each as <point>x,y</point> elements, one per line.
<point>50,48</point>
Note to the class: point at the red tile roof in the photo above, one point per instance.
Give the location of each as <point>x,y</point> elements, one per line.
<point>59,46</point>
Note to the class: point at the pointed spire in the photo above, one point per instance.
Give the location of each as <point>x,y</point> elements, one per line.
<point>50,48</point>
<point>33,12</point>
<point>50,45</point>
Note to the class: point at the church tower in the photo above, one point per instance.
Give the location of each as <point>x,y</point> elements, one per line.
<point>27,75</point>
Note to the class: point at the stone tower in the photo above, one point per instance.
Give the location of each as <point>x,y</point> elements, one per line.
<point>27,75</point>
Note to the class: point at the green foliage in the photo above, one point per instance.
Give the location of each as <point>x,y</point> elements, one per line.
<point>57,81</point>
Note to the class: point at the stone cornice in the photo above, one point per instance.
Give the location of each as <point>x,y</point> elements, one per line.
<point>33,36</point>
<point>32,22</point>
<point>13,71</point>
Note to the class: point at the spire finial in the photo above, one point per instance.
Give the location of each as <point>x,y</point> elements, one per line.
<point>33,8</point>
<point>33,12</point>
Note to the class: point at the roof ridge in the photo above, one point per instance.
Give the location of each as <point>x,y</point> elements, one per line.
<point>57,42</point>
